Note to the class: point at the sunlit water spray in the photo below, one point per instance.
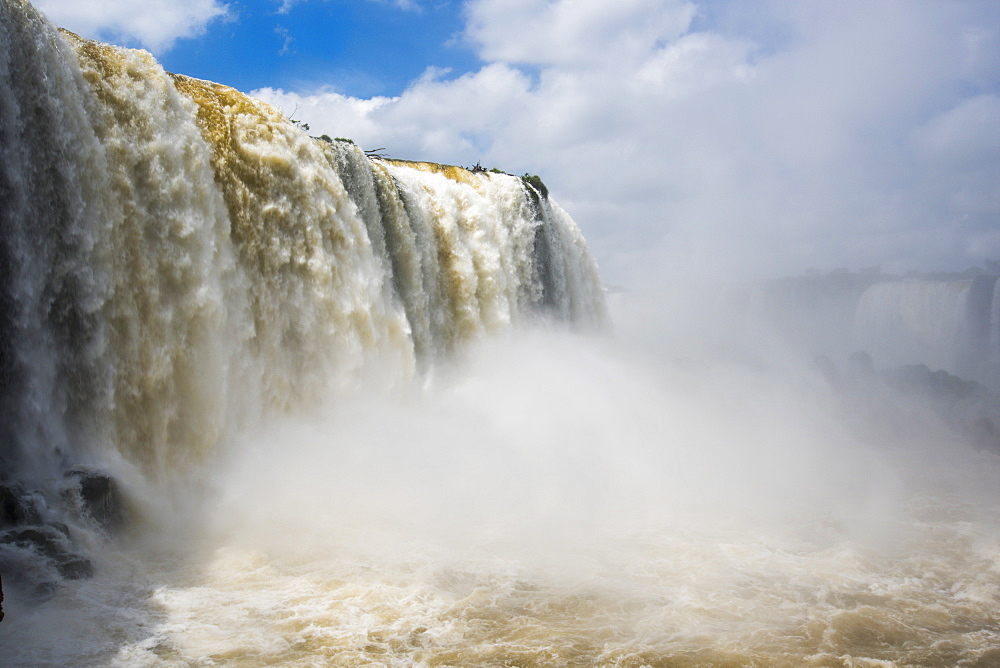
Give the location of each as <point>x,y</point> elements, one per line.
<point>366,413</point>
<point>551,501</point>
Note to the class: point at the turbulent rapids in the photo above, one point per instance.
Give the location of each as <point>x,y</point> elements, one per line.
<point>266,400</point>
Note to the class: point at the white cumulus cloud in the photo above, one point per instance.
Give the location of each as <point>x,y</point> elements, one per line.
<point>156,27</point>
<point>567,32</point>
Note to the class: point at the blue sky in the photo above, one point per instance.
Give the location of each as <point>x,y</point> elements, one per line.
<point>360,48</point>
<point>731,137</point>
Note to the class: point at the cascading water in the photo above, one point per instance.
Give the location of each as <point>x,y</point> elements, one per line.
<point>181,262</point>
<point>268,401</point>
<point>183,257</point>
<point>947,325</point>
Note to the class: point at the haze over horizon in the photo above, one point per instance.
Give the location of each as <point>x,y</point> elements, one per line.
<point>720,138</point>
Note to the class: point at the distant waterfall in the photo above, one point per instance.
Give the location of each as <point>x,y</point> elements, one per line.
<point>950,325</point>
<point>179,259</point>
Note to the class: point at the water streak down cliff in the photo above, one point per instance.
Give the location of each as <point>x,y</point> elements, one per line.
<point>179,257</point>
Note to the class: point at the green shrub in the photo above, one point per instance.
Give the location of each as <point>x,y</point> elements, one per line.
<point>535,182</point>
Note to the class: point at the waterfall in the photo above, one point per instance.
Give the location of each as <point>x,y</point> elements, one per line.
<point>945,324</point>
<point>181,260</point>
<point>267,400</point>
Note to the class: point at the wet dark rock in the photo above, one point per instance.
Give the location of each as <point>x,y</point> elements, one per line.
<point>37,550</point>
<point>939,385</point>
<point>17,507</point>
<point>52,545</point>
<point>44,540</point>
<point>43,591</point>
<point>912,403</point>
<point>98,496</point>
<point>75,568</point>
<point>967,407</point>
